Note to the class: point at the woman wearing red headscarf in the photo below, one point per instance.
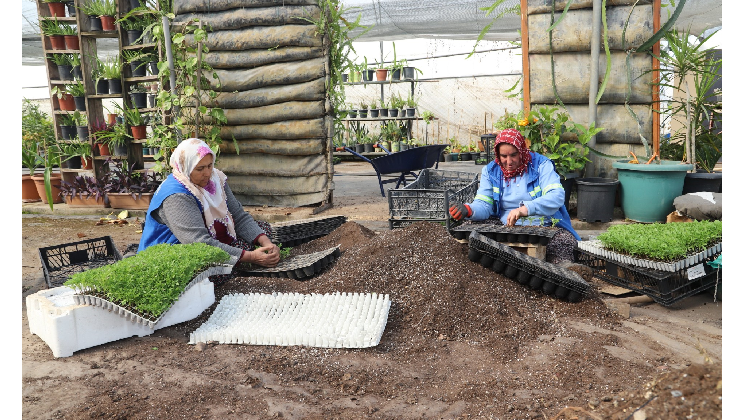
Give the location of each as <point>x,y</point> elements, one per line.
<point>518,184</point>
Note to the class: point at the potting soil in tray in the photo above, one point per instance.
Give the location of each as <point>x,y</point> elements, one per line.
<point>353,320</point>
<point>84,299</point>
<point>596,247</point>
<point>499,233</point>
<point>529,271</point>
<point>297,267</point>
<point>301,231</point>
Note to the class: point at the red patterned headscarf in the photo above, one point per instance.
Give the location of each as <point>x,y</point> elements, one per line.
<point>514,138</point>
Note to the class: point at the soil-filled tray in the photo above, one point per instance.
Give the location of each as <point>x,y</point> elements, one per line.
<point>531,272</point>
<point>515,234</point>
<point>297,232</point>
<point>597,248</point>
<point>665,287</point>
<point>298,267</point>
<point>83,299</point>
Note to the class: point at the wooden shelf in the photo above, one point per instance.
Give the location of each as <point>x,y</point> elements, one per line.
<point>139,46</point>
<point>100,34</point>
<point>105,96</point>
<point>68,19</point>
<point>383,119</point>
<point>60,112</point>
<point>62,52</point>
<point>153,78</point>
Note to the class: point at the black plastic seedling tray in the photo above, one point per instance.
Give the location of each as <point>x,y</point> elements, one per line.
<point>60,262</point>
<point>665,287</point>
<point>515,234</point>
<point>298,232</point>
<point>299,267</point>
<point>531,272</point>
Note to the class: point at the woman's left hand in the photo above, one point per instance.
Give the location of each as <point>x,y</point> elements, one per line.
<point>516,214</point>
<point>268,246</point>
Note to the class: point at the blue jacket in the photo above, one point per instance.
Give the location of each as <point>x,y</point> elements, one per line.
<point>545,199</point>
<point>154,232</point>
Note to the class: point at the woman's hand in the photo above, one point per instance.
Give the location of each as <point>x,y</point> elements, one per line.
<point>264,256</point>
<point>516,214</point>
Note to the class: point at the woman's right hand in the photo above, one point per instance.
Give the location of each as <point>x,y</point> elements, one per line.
<point>262,256</point>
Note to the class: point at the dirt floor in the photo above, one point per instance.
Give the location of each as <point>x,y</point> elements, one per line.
<point>460,342</point>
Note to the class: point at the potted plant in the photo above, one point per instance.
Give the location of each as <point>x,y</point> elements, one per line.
<point>51,28</point>
<point>85,191</point>
<point>77,90</point>
<point>128,188</point>
<point>138,95</point>
<point>137,60</point>
<point>101,84</point>
<point>97,130</point>
<point>111,70</point>
<point>367,72</point>
<point>94,9</point>
<point>409,72</point>
<point>410,104</point>
<point>69,32</point>
<point>78,154</point>
<point>136,120</point>
<point>383,109</point>
<point>67,126</point>
<point>47,185</point>
<point>37,128</point>
<point>362,109</point>
<point>394,106</point>
<point>117,137</point>
<point>76,61</point>
<point>374,109</point>
<point>64,99</point>
<point>63,64</point>
<point>397,66</point>
<point>106,12</point>
<point>381,72</point>
<point>56,8</point>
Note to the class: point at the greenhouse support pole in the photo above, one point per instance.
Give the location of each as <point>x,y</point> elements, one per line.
<point>656,8</point>
<point>525,55</point>
<point>594,70</point>
<point>170,61</point>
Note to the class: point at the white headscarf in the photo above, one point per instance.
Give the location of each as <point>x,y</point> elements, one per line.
<point>183,161</point>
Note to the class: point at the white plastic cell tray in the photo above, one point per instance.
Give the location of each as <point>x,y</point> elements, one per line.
<point>596,247</point>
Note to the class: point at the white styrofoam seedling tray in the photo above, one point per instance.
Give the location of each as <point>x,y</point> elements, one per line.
<point>67,327</point>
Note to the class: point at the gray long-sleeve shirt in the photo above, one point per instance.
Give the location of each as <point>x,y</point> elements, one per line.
<point>180,212</point>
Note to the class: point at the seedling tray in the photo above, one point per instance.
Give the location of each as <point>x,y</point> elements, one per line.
<point>665,287</point>
<point>597,248</point>
<point>297,232</point>
<point>299,267</point>
<point>531,272</point>
<point>60,262</point>
<point>515,234</point>
<point>429,196</point>
<point>84,299</point>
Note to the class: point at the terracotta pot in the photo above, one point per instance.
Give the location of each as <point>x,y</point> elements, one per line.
<point>125,201</point>
<point>381,75</point>
<point>57,9</point>
<point>66,103</point>
<point>111,118</point>
<point>138,132</point>
<point>108,23</point>
<point>56,180</point>
<point>72,42</point>
<point>57,42</point>
<point>78,201</point>
<point>103,149</point>
<point>30,193</point>
<point>87,163</point>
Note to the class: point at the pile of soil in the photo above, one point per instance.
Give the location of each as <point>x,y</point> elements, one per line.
<point>460,342</point>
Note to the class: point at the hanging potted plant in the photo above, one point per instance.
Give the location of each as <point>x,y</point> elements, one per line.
<point>138,95</point>
<point>77,90</point>
<point>63,65</point>
<point>64,99</point>
<point>111,71</point>
<point>71,39</point>
<point>56,8</point>
<point>85,191</point>
<point>51,29</point>
<point>97,129</point>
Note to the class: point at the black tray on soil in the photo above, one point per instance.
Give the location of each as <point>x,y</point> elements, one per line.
<point>299,267</point>
<point>297,232</point>
<point>60,262</point>
<point>664,287</point>
<point>515,234</point>
<point>531,272</point>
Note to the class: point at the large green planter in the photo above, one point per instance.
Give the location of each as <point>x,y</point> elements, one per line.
<point>647,191</point>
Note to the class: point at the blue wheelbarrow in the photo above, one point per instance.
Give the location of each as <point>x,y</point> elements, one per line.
<point>405,163</point>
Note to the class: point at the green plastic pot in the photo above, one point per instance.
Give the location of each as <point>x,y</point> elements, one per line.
<point>648,191</point>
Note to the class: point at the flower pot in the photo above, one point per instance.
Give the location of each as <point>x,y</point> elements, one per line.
<point>455,157</point>
<point>568,181</point>
<point>145,151</point>
<point>103,149</point>
<point>112,119</point>
<point>133,36</point>
<point>101,87</point>
<point>152,68</point>
<point>410,112</point>
<point>108,23</point>
<point>702,182</point>
<point>352,113</point>
<point>74,162</point>
<point>77,72</point>
<point>79,103</point>
<point>151,100</point>
<point>66,102</point>
<point>393,112</point>
<point>647,191</point>
<point>596,199</point>
<point>138,132</point>
<point>120,150</point>
<point>395,74</point>
<point>448,157</point>
<point>126,201</point>
<point>71,11</point>
<point>114,86</point>
<point>138,69</point>
<point>68,131</point>
<point>57,10</point>
<point>57,42</point>
<point>362,113</point>
<point>138,99</point>
<point>344,77</point>
<point>401,113</point>
<point>374,113</point>
<point>409,73</point>
<point>383,112</point>
<point>403,147</point>
<point>72,42</point>
<point>95,24</point>
<point>381,75</point>
<point>29,191</point>
<point>395,146</point>
<point>83,201</point>
<point>465,156</point>
<point>83,132</point>
<point>367,75</point>
<point>65,72</point>
<point>87,163</point>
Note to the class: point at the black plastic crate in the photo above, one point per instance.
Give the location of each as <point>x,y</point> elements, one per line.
<point>429,196</point>
<point>60,262</point>
<point>666,288</point>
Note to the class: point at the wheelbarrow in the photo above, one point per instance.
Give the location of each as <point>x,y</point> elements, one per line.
<point>403,163</point>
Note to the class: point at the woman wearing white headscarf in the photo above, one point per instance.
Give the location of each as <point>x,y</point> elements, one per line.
<point>195,204</point>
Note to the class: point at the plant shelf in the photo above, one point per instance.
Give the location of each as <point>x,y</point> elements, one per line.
<point>139,46</point>
<point>105,96</point>
<point>100,34</point>
<point>153,78</point>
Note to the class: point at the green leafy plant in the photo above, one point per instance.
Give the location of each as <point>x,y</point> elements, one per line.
<point>410,102</point>
<point>427,116</point>
<point>76,148</point>
<point>76,88</point>
<point>116,135</point>
<point>36,129</point>
<point>61,59</point>
<point>99,8</point>
<point>396,102</point>
<point>51,27</point>
<point>662,241</point>
<point>152,280</point>
<point>84,186</point>
<point>67,29</point>
<point>67,119</point>
<point>110,68</point>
